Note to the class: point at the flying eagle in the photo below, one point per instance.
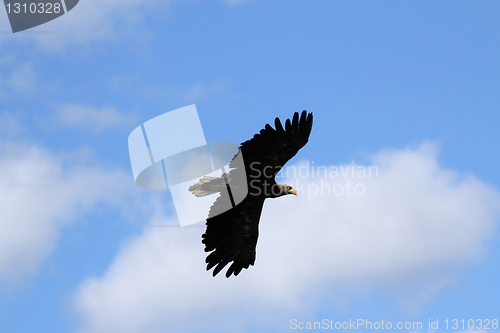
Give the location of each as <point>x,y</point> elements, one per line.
<point>231,234</point>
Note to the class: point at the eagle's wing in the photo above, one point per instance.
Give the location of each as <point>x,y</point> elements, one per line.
<point>232,234</point>
<point>274,147</point>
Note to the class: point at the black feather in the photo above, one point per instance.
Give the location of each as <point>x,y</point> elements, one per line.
<point>231,235</point>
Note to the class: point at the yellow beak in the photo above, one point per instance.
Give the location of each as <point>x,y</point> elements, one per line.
<point>293,191</point>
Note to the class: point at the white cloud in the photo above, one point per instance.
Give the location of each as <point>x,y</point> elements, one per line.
<point>91,118</point>
<point>10,125</point>
<point>201,91</point>
<point>17,77</point>
<point>234,2</point>
<point>23,78</point>
<point>39,194</point>
<point>94,21</point>
<point>137,85</point>
<point>416,222</point>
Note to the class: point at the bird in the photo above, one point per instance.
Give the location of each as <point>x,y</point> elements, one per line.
<point>232,225</point>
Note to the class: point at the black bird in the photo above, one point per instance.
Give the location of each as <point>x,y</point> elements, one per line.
<point>232,232</point>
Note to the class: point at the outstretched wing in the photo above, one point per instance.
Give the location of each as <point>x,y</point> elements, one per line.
<point>232,234</point>
<point>274,147</point>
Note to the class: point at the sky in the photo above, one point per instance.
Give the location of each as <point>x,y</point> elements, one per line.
<point>405,89</point>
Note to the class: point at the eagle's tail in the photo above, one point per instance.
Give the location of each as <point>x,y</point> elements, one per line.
<point>207,186</point>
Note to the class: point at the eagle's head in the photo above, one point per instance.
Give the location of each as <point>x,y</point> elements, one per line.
<point>291,190</point>
<point>285,189</point>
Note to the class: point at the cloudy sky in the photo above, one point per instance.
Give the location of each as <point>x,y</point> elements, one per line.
<point>405,89</point>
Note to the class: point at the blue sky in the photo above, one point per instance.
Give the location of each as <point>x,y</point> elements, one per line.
<point>408,86</point>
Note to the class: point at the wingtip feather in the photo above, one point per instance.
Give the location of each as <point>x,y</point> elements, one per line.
<point>277,124</point>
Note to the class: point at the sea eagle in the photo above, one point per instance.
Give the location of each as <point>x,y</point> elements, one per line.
<point>231,234</point>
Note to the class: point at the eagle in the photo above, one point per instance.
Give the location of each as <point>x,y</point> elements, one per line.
<point>231,233</point>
